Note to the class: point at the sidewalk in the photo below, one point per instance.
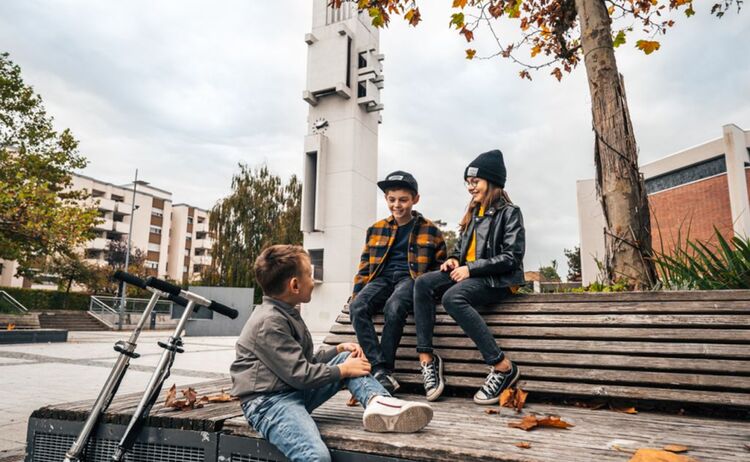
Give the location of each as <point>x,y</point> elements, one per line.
<point>36,375</point>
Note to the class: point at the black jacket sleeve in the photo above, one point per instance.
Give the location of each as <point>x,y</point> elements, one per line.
<point>513,244</point>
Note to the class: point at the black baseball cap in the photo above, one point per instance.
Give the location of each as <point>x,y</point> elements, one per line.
<point>399,179</point>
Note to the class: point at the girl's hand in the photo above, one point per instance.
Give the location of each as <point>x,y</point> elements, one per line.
<point>460,273</point>
<point>354,367</point>
<point>353,347</point>
<point>449,265</point>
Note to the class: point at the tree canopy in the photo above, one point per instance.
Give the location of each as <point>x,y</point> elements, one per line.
<point>39,213</point>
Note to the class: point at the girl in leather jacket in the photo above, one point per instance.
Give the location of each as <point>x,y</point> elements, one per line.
<point>485,267</point>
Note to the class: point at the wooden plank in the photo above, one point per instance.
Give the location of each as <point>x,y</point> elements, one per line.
<point>716,366</point>
<point>724,398</point>
<point>696,350</point>
<point>718,321</point>
<point>662,296</point>
<point>738,336</point>
<point>588,375</point>
<point>607,307</point>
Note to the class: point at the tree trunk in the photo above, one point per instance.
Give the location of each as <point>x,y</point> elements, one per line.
<point>620,186</point>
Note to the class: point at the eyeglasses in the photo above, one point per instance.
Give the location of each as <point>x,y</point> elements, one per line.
<point>472,183</point>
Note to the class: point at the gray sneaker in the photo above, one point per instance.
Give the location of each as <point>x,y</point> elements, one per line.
<point>495,383</point>
<point>432,377</point>
<point>387,380</point>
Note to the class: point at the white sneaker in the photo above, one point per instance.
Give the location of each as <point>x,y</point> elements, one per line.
<point>387,414</point>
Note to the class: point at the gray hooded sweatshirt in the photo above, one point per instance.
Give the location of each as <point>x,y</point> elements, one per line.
<point>275,354</point>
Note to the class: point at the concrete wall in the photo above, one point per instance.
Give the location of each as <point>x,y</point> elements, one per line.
<point>241,299</point>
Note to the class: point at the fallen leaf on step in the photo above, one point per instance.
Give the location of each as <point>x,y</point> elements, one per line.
<point>625,410</point>
<point>676,448</point>
<point>352,401</point>
<point>514,398</point>
<point>222,397</point>
<point>531,421</point>
<point>524,445</point>
<point>171,396</point>
<point>491,411</point>
<point>659,455</point>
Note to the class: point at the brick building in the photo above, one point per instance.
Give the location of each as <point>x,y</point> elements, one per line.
<point>693,190</point>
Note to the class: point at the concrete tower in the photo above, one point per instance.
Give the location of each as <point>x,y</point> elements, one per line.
<point>344,79</point>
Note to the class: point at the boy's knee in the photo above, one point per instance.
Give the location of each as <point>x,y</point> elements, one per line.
<point>358,309</point>
<point>451,300</point>
<point>394,311</point>
<point>341,357</point>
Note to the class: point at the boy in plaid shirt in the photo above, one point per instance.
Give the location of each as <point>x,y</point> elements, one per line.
<point>397,250</point>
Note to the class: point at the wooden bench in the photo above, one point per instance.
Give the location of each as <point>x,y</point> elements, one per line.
<point>681,347</point>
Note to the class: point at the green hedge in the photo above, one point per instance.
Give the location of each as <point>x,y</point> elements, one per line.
<point>41,300</point>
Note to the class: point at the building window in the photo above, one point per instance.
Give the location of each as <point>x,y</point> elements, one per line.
<point>151,264</point>
<point>157,212</point>
<point>362,60</point>
<point>190,220</point>
<point>187,252</point>
<point>154,230</point>
<point>154,247</point>
<point>316,258</point>
<point>361,90</point>
<point>188,235</point>
<point>117,198</point>
<point>687,174</point>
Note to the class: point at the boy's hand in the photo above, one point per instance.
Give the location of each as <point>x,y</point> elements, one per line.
<point>460,273</point>
<point>449,265</point>
<point>355,367</point>
<point>355,349</point>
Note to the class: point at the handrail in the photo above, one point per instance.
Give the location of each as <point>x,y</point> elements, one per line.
<point>132,304</point>
<point>101,304</point>
<point>103,312</point>
<point>15,303</point>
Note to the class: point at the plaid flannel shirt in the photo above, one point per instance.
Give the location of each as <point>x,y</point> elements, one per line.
<point>427,249</point>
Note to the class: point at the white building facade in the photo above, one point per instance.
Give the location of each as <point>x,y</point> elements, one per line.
<point>344,79</point>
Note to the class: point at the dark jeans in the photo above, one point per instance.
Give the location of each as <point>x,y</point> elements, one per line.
<point>459,300</point>
<point>394,293</point>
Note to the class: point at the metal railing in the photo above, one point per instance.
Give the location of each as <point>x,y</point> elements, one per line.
<point>107,308</point>
<point>15,304</point>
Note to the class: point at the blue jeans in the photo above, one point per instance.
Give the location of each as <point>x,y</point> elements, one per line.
<point>459,300</point>
<point>393,292</point>
<point>284,418</point>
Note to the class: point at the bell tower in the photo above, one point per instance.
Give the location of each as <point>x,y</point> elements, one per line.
<point>344,79</point>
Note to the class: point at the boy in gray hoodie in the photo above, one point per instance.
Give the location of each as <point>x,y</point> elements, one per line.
<point>280,381</point>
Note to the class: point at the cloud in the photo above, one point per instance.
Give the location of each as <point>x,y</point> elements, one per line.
<point>184,90</point>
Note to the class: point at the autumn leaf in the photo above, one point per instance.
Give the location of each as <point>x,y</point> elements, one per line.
<point>676,448</point>
<point>468,34</point>
<point>491,411</point>
<point>524,74</point>
<point>513,398</point>
<point>527,423</point>
<point>457,19</point>
<point>554,421</point>
<point>619,39</point>
<point>523,445</point>
<point>536,50</point>
<point>513,8</point>
<point>470,52</point>
<point>413,16</point>
<point>647,46</point>
<point>459,3</point>
<point>658,455</point>
<point>531,421</point>
<point>352,401</point>
<point>689,11</point>
<point>171,396</point>
<point>495,10</point>
<point>611,10</point>
<point>625,410</point>
<point>222,397</point>
<point>557,73</point>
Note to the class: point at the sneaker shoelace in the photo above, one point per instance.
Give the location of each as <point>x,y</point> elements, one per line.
<point>492,382</point>
<point>429,375</point>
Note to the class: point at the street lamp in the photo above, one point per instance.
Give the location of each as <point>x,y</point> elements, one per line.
<point>133,208</point>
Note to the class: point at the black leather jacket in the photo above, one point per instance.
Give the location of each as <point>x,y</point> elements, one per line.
<point>501,243</point>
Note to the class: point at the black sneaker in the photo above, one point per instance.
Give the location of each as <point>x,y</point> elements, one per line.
<point>387,380</point>
<point>432,376</point>
<point>495,383</point>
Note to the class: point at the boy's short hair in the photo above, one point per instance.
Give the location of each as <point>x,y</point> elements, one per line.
<point>402,188</point>
<point>276,265</point>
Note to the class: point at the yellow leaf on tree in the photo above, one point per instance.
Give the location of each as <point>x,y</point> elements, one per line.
<point>459,3</point>
<point>470,53</point>
<point>647,46</point>
<point>658,455</point>
<point>536,50</point>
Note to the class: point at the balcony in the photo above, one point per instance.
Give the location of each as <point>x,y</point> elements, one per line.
<point>105,224</point>
<point>108,205</point>
<point>97,244</point>
<point>123,208</point>
<point>200,227</point>
<point>205,243</point>
<point>202,260</point>
<point>121,227</point>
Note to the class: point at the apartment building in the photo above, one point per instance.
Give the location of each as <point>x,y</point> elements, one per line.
<point>190,243</point>
<point>173,238</point>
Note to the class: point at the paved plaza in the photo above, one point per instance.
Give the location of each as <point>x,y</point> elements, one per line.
<point>35,375</point>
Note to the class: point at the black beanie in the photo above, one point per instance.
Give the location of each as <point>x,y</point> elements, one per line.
<point>489,166</point>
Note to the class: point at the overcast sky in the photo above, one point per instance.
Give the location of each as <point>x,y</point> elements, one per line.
<point>184,90</point>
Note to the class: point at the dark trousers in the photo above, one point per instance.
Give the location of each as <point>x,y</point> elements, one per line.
<point>393,293</point>
<point>459,300</point>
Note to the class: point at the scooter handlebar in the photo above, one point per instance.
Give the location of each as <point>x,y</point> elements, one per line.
<point>130,279</point>
<point>177,299</point>
<point>174,290</point>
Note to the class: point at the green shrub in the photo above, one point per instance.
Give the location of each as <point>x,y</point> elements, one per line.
<point>704,265</point>
<point>40,300</point>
